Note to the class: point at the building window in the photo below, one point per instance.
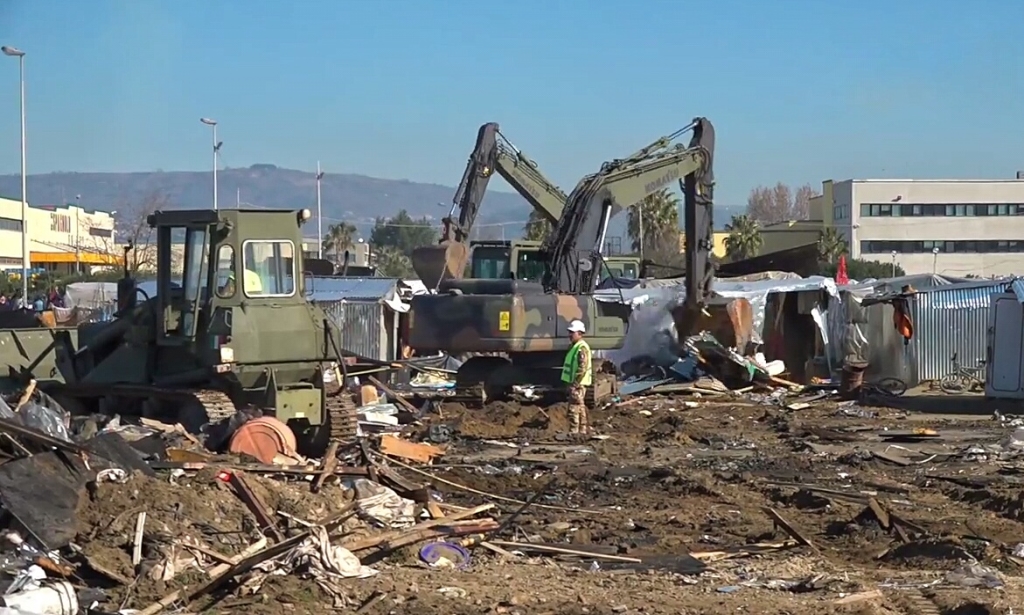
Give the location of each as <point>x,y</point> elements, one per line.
<point>10,224</point>
<point>959,246</point>
<point>932,210</point>
<point>100,232</point>
<point>269,268</point>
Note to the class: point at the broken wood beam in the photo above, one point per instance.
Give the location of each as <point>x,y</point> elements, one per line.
<point>255,505</point>
<point>386,537</point>
<point>329,464</point>
<point>401,401</point>
<point>787,527</point>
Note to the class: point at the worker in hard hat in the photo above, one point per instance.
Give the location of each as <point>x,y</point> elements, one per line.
<point>251,282</point>
<point>577,374</point>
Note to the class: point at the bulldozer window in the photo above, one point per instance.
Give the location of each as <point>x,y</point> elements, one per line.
<point>269,268</point>
<point>227,278</point>
<point>531,266</point>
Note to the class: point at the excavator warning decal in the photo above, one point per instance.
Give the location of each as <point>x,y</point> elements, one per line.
<point>504,321</point>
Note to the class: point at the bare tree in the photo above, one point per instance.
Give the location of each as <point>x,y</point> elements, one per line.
<point>779,203</point>
<point>131,225</point>
<point>802,202</point>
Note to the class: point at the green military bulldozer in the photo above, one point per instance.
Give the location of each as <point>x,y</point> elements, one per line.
<point>230,328</point>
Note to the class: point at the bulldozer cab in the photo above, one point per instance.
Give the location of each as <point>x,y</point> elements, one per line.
<point>221,274</point>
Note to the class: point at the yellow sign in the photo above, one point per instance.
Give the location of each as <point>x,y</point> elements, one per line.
<point>504,321</point>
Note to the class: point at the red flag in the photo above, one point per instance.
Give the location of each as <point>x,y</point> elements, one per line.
<point>841,277</point>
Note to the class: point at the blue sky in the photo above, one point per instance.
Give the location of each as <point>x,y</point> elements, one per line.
<point>799,90</point>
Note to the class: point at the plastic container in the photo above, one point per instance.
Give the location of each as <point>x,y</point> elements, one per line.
<point>58,598</point>
<point>264,438</point>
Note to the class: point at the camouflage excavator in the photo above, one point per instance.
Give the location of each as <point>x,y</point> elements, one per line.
<point>527,321</point>
<point>232,331</point>
<point>520,259</point>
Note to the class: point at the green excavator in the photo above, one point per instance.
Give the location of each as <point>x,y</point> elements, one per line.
<point>518,259</point>
<point>527,321</point>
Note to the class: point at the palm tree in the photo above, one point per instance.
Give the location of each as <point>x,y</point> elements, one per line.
<point>658,216</point>
<point>744,240</point>
<point>537,227</point>
<point>338,239</point>
<point>831,245</point>
<point>392,263</point>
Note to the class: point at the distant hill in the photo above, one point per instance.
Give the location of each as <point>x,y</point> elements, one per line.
<point>355,198</point>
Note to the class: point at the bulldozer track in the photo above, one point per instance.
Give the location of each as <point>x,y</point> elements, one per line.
<point>342,413</point>
<point>217,404</point>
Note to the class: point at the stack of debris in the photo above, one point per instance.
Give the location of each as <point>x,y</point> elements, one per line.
<point>142,516</point>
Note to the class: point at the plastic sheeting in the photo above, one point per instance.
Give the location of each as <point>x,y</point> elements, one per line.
<point>651,329</point>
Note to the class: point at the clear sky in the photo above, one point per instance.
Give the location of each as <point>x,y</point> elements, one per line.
<point>799,90</point>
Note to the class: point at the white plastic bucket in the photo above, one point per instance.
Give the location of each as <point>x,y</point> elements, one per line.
<point>57,598</point>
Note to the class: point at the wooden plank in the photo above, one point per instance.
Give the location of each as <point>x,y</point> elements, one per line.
<point>379,539</point>
<point>401,401</point>
<point>880,513</point>
<point>140,530</point>
<point>526,546</point>
<point>412,451</point>
<point>787,527</point>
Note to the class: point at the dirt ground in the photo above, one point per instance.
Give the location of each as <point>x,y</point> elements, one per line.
<point>673,480</point>
<point>669,481</point>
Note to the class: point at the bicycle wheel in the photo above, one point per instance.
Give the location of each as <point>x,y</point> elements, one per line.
<point>891,386</point>
<point>952,383</point>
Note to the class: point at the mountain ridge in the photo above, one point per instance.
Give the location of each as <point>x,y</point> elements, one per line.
<point>349,197</point>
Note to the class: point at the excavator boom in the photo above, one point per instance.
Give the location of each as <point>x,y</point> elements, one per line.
<point>574,248</point>
<point>492,153</point>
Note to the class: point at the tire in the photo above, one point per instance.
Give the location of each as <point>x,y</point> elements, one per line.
<point>952,384</point>
<point>891,386</point>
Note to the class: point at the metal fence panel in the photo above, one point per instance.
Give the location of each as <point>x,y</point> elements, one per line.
<point>361,325</point>
<point>951,321</point>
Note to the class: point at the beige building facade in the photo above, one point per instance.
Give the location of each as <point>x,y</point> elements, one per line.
<point>61,238</point>
<point>949,227</point>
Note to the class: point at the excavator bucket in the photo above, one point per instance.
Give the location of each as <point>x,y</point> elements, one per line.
<point>731,321</point>
<point>443,261</point>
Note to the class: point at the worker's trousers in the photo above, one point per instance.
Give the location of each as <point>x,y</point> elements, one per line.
<point>578,420</point>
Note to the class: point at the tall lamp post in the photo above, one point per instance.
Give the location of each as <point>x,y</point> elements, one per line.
<point>935,259</point>
<point>216,154</point>
<point>26,263</point>
<point>319,215</point>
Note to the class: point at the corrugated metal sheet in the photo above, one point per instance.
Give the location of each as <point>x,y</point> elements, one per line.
<point>946,319</point>
<point>336,289</point>
<point>362,327</point>
<point>951,321</point>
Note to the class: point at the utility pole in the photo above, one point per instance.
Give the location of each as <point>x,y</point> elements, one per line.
<point>78,228</point>
<point>216,155</point>
<point>26,256</point>
<point>319,215</point>
<point>894,263</point>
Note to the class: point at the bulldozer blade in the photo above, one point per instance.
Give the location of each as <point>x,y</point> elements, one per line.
<point>444,261</point>
<point>730,320</point>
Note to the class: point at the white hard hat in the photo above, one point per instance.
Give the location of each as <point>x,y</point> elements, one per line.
<point>577,326</point>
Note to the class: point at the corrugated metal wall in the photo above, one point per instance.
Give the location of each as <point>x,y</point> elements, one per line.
<point>948,321</point>
<point>945,321</point>
<point>362,327</point>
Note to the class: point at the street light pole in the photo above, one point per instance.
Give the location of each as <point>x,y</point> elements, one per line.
<point>26,263</point>
<point>894,263</point>
<point>319,215</point>
<point>216,154</point>
<point>935,259</point>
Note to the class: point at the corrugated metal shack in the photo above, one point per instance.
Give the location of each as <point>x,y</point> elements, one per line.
<point>949,315</point>
<point>365,310</point>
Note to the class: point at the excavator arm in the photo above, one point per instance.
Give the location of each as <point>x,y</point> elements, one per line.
<point>492,153</point>
<point>574,248</point>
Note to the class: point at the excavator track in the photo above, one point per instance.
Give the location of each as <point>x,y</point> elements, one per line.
<point>217,404</point>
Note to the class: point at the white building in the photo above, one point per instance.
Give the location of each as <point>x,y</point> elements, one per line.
<point>953,227</point>
<point>62,238</point>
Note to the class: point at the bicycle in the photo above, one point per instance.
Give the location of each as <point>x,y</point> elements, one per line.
<point>884,387</point>
<point>963,379</point>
